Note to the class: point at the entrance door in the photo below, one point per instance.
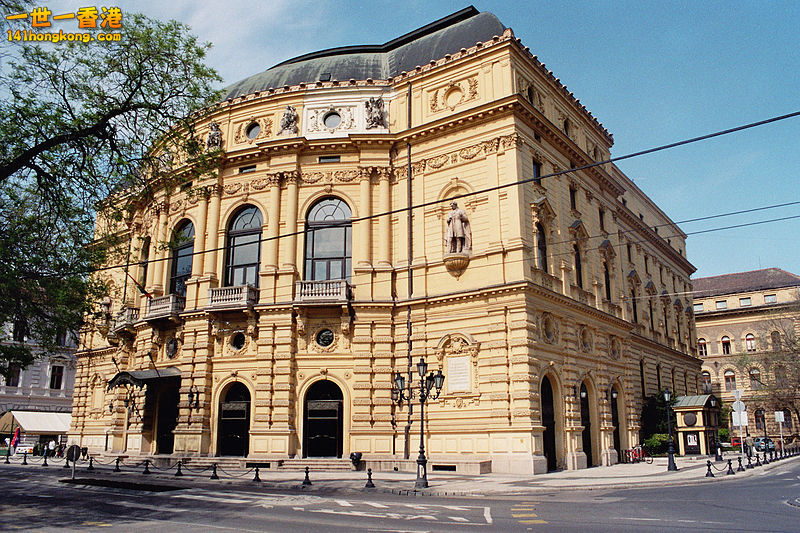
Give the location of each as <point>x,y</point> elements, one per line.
<point>615,417</point>
<point>166,419</point>
<point>549,423</point>
<point>234,422</point>
<point>323,420</point>
<point>586,422</point>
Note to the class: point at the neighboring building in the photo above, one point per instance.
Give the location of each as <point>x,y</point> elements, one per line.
<point>550,306</point>
<point>742,319</point>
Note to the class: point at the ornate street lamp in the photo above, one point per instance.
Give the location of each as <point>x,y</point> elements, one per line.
<point>717,454</point>
<point>427,383</point>
<point>671,466</point>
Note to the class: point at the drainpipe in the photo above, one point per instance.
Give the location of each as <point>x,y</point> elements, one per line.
<point>407,430</point>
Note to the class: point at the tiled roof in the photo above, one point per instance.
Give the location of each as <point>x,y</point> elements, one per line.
<point>754,280</point>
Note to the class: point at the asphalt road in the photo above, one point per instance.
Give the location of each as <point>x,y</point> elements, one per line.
<point>34,500</point>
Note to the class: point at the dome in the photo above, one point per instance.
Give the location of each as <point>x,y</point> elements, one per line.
<point>444,36</point>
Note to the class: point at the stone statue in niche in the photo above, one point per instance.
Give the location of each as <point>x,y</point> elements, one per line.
<point>458,237</point>
<point>289,121</point>
<point>375,113</point>
<point>214,139</point>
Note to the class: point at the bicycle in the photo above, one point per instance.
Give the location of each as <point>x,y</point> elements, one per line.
<point>639,454</point>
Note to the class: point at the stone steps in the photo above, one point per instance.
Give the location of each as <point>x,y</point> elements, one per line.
<point>317,464</point>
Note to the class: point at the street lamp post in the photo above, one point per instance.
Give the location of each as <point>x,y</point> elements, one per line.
<point>671,466</point>
<point>717,451</point>
<point>426,384</point>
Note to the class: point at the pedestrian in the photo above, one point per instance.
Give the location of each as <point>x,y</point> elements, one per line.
<point>748,446</point>
<point>51,448</point>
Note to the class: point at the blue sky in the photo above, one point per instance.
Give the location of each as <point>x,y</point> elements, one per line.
<point>652,72</point>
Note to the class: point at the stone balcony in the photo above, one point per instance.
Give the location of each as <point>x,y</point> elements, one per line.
<point>323,292</point>
<point>540,277</point>
<point>123,323</point>
<point>231,298</point>
<point>581,295</point>
<point>611,308</point>
<point>162,307</point>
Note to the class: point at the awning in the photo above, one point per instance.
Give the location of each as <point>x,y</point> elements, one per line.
<point>35,422</point>
<point>701,400</point>
<point>139,378</point>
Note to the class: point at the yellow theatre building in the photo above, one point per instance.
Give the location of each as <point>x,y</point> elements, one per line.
<point>281,314</point>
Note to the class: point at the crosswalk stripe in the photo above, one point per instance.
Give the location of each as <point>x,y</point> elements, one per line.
<point>344,503</point>
<point>209,498</point>
<point>533,521</point>
<point>377,505</point>
<point>458,518</point>
<point>526,515</point>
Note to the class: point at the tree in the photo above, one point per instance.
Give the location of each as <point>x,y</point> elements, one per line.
<point>80,122</point>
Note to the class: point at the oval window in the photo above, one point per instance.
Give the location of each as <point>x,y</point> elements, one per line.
<point>325,338</point>
<point>238,340</point>
<point>253,130</point>
<point>332,120</point>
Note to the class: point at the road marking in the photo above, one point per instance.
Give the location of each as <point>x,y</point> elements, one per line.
<point>96,524</point>
<point>687,521</point>
<point>487,515</point>
<point>344,503</point>
<point>523,508</point>
<point>455,508</point>
<point>376,505</point>
<point>526,515</point>
<point>533,521</point>
<point>458,518</point>
<point>208,497</point>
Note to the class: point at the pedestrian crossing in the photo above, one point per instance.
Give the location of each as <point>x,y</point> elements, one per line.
<point>525,513</point>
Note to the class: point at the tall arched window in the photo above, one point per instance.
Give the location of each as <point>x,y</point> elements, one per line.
<point>635,308</point>
<point>726,345</point>
<point>243,249</point>
<point>607,280</point>
<point>642,378</point>
<point>759,419</point>
<point>541,243</point>
<point>706,379</point>
<point>787,419</point>
<point>730,380</point>
<point>702,348</point>
<point>775,337</point>
<point>578,266</point>
<point>750,342</point>
<point>328,240</point>
<point>755,378</point>
<point>780,376</point>
<point>182,249</point>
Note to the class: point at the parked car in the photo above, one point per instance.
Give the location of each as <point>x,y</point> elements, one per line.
<point>762,444</point>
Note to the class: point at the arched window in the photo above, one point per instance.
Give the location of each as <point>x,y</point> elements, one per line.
<point>702,348</point>
<point>759,419</point>
<point>243,248</point>
<point>642,378</point>
<point>780,376</point>
<point>706,379</point>
<point>328,240</point>
<point>578,266</point>
<point>726,345</point>
<point>755,378</point>
<point>541,244</point>
<point>730,380</point>
<point>775,338</point>
<point>787,419</point>
<point>635,309</point>
<point>607,280</point>
<point>658,376</point>
<point>144,261</point>
<point>750,342</point>
<point>182,249</point>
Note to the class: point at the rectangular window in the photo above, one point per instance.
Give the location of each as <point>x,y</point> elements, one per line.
<point>573,198</point>
<point>20,331</point>
<point>56,376</point>
<point>13,376</point>
<point>698,308</point>
<point>628,246</point>
<point>744,302</point>
<point>602,215</point>
<point>247,169</point>
<point>537,172</point>
<point>770,298</point>
<point>722,304</point>
<point>330,158</point>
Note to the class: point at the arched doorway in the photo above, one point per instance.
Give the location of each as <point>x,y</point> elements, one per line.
<point>549,423</point>
<point>615,419</point>
<point>166,419</point>
<point>323,420</point>
<point>586,422</point>
<point>233,434</point>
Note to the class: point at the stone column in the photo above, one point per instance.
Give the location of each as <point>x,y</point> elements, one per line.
<point>365,226</point>
<point>270,246</point>
<point>160,237</point>
<point>212,240</point>
<point>192,284</point>
<point>384,223</point>
<point>289,243</point>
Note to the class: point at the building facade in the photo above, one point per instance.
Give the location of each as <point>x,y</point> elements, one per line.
<point>299,284</point>
<point>746,324</point>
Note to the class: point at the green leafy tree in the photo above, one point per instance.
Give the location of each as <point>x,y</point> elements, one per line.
<point>80,122</point>
<point>654,416</point>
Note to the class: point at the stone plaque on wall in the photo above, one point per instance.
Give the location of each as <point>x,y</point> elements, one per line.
<point>458,376</point>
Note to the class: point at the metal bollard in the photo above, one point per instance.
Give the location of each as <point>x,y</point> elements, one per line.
<point>730,471</point>
<point>146,466</point>
<point>116,464</point>
<point>25,458</point>
<point>257,478</point>
<point>91,464</point>
<point>749,462</point>
<point>214,471</point>
<point>740,468</point>
<point>758,460</point>
<point>44,463</point>
<point>306,481</point>
<point>179,472</point>
<point>765,461</point>
<point>370,484</point>
<point>709,473</point>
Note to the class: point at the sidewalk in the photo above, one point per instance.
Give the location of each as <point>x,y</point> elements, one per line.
<point>691,470</point>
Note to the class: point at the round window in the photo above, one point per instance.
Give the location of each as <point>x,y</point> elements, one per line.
<point>549,329</point>
<point>332,120</point>
<point>172,348</point>
<point>253,130</point>
<point>690,419</point>
<point>325,338</point>
<point>238,340</point>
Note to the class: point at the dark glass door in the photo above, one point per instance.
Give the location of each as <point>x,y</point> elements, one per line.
<point>323,421</point>
<point>586,422</point>
<point>615,418</point>
<point>549,423</point>
<point>234,422</point>
<point>166,419</point>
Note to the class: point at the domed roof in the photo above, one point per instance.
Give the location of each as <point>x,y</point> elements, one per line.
<point>444,36</point>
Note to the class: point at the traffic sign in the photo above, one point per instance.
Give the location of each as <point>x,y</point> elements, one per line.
<point>738,406</point>
<point>737,394</point>
<point>739,418</point>
<point>779,416</point>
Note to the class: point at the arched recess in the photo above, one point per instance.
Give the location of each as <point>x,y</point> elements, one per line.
<point>619,416</point>
<point>552,418</point>
<point>233,419</point>
<point>590,436</point>
<point>323,419</point>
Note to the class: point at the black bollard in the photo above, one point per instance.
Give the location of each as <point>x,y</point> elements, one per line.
<point>370,484</point>
<point>91,464</point>
<point>257,478</point>
<point>179,472</point>
<point>116,465</point>
<point>214,471</point>
<point>709,473</point>
<point>749,462</point>
<point>44,463</point>
<point>740,467</point>
<point>730,471</point>
<point>765,461</point>
<point>306,481</point>
<point>146,466</point>
<point>758,460</point>
<point>25,458</point>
